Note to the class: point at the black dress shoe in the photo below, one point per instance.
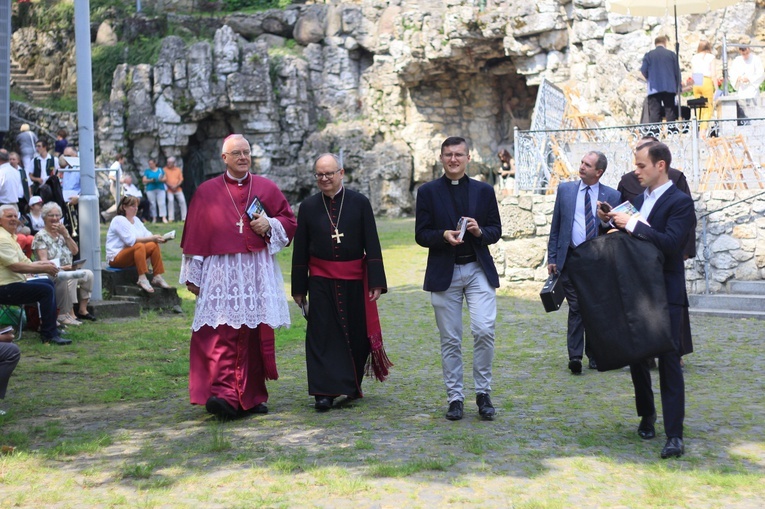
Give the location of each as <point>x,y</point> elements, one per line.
<point>575,365</point>
<point>257,409</point>
<point>674,448</point>
<point>455,411</point>
<point>86,316</point>
<point>323,403</point>
<point>646,429</point>
<point>592,364</point>
<point>485,408</point>
<point>221,409</point>
<point>57,340</point>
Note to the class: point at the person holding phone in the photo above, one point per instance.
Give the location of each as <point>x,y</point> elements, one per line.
<point>573,224</point>
<point>54,243</point>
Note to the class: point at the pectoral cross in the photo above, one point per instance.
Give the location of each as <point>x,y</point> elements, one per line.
<point>240,224</point>
<point>337,236</point>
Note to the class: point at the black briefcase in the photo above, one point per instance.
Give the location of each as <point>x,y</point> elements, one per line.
<point>552,293</point>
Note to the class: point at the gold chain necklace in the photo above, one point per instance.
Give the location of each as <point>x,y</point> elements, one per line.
<point>239,223</point>
<point>337,234</point>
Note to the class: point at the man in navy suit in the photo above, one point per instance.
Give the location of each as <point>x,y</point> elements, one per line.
<point>572,225</point>
<point>461,268</point>
<point>662,72</point>
<point>670,214</point>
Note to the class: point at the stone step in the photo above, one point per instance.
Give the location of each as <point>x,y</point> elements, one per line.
<point>755,303</point>
<point>162,298</point>
<point>727,313</point>
<point>747,287</point>
<point>103,309</point>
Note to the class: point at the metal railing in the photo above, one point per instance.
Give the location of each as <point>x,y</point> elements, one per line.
<point>544,158</point>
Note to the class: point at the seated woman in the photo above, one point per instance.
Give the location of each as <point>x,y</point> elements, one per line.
<point>129,243</point>
<point>53,242</point>
<point>34,219</point>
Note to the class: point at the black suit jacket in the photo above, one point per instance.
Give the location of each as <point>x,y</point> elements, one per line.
<point>672,219</point>
<point>629,187</point>
<point>435,214</point>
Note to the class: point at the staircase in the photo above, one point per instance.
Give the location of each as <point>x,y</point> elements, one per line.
<point>120,285</point>
<point>745,299</point>
<point>36,88</point>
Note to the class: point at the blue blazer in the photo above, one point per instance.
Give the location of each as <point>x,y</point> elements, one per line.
<point>435,214</point>
<point>563,219</point>
<point>661,71</point>
<point>672,219</point>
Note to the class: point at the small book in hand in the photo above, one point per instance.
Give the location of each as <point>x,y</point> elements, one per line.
<point>79,263</point>
<point>255,208</point>
<point>462,227</point>
<point>630,209</point>
<point>169,235</point>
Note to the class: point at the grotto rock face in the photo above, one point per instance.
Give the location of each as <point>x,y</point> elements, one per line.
<point>382,81</point>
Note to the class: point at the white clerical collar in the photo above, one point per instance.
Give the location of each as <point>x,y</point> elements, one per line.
<point>338,192</point>
<point>238,181</point>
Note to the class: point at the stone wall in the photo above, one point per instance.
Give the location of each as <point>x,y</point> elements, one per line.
<point>383,81</point>
<point>735,240</point>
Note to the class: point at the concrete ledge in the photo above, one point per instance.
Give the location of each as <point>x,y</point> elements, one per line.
<point>727,313</point>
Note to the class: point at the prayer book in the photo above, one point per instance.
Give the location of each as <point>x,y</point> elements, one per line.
<point>462,227</point>
<point>630,209</point>
<point>169,235</point>
<point>255,208</point>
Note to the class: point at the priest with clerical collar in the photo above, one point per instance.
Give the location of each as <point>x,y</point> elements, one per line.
<point>337,263</point>
<point>229,264</point>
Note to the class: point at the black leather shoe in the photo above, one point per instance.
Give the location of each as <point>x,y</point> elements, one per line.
<point>323,403</point>
<point>455,411</point>
<point>575,365</point>
<point>257,409</point>
<point>592,364</point>
<point>485,408</point>
<point>57,340</point>
<point>674,448</point>
<point>86,316</point>
<point>221,409</point>
<point>646,430</point>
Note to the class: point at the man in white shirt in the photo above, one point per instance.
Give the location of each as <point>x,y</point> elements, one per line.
<point>10,182</point>
<point>746,75</point>
<point>44,166</point>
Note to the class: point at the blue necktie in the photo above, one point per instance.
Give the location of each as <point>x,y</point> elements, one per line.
<point>589,220</point>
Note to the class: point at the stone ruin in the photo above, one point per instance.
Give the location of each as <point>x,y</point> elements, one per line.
<point>382,81</point>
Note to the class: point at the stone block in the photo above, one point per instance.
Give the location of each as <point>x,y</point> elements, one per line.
<point>745,231</point>
<point>516,222</point>
<point>747,271</point>
<point>526,252</point>
<point>724,243</point>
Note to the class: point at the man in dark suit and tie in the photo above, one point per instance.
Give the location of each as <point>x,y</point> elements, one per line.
<point>670,214</point>
<point>574,221</point>
<point>461,267</point>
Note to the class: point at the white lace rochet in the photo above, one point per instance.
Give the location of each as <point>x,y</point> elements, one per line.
<point>239,289</point>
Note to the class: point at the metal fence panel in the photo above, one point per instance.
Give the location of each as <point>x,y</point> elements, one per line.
<point>544,158</point>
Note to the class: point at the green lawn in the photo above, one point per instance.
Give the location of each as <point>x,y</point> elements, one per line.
<point>106,421</point>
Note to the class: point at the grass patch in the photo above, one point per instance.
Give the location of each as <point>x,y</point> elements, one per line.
<point>112,412</point>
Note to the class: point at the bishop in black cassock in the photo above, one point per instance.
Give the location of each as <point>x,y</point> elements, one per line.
<point>335,247</point>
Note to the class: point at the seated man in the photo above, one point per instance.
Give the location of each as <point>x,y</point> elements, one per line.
<point>9,357</point>
<point>15,288</point>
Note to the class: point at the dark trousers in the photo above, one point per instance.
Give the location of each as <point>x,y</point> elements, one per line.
<point>575,334</point>
<point>9,357</point>
<point>662,105</point>
<point>671,383</point>
<point>39,290</point>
